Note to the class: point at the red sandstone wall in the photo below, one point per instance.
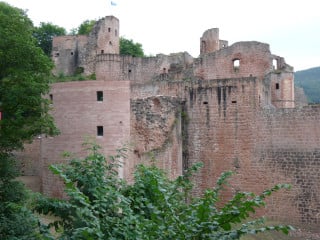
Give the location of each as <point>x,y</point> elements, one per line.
<point>282,89</point>
<point>255,60</point>
<point>288,148</point>
<point>156,133</point>
<point>67,52</point>
<point>142,70</point>
<point>77,114</point>
<point>227,130</point>
<point>220,129</point>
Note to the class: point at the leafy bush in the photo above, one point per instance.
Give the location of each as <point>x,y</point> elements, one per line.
<point>102,206</point>
<point>16,219</point>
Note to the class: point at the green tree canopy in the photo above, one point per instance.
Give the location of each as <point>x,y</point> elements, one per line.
<point>86,27</point>
<point>128,47</point>
<point>24,69</point>
<point>45,33</point>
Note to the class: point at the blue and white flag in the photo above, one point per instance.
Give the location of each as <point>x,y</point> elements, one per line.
<point>113,3</point>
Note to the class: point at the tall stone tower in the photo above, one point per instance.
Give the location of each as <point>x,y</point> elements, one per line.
<point>106,33</point>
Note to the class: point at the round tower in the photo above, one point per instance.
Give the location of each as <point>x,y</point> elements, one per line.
<point>209,42</point>
<point>107,30</point>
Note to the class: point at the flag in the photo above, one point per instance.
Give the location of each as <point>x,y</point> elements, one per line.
<point>113,3</point>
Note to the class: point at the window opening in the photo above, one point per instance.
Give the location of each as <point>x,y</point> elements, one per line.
<point>51,97</point>
<point>277,86</point>
<point>236,64</point>
<point>110,43</point>
<point>129,70</point>
<point>56,54</point>
<point>116,32</point>
<point>99,130</point>
<point>205,102</point>
<point>275,64</point>
<point>99,96</point>
<point>71,53</point>
<point>233,101</point>
<point>102,51</point>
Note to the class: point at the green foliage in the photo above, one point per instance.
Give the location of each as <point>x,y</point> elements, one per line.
<point>23,80</point>
<point>44,35</point>
<point>309,80</point>
<point>102,206</point>
<point>86,27</point>
<point>128,47</point>
<point>16,220</point>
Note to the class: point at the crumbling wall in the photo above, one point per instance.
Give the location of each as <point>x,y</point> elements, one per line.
<point>142,70</point>
<point>67,52</point>
<point>241,59</point>
<point>77,53</point>
<point>156,133</point>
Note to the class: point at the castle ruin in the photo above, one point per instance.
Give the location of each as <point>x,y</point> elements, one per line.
<point>233,108</point>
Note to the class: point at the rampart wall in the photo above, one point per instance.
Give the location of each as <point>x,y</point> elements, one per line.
<point>287,146</point>
<point>78,112</point>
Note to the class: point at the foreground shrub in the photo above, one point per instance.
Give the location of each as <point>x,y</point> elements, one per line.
<point>100,205</point>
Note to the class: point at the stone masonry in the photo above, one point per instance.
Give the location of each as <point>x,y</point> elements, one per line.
<point>233,108</point>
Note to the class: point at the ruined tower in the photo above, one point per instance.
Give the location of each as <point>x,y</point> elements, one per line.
<point>106,35</point>
<point>210,42</point>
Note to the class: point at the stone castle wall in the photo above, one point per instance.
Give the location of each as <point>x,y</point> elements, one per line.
<point>233,108</point>
<point>78,113</point>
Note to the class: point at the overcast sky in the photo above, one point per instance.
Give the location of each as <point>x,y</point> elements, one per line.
<point>292,28</point>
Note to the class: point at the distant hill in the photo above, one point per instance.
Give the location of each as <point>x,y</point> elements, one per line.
<point>309,80</point>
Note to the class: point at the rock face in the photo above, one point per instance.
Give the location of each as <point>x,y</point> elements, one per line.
<point>233,108</point>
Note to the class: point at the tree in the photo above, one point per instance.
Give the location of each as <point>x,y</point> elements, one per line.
<point>86,27</point>
<point>128,47</point>
<point>16,219</point>
<point>102,206</point>
<point>44,35</point>
<point>24,71</point>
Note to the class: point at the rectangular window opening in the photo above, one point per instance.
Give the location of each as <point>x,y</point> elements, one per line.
<point>99,96</point>
<point>100,131</point>
<point>205,102</point>
<point>233,101</point>
<point>277,86</point>
<point>51,97</point>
